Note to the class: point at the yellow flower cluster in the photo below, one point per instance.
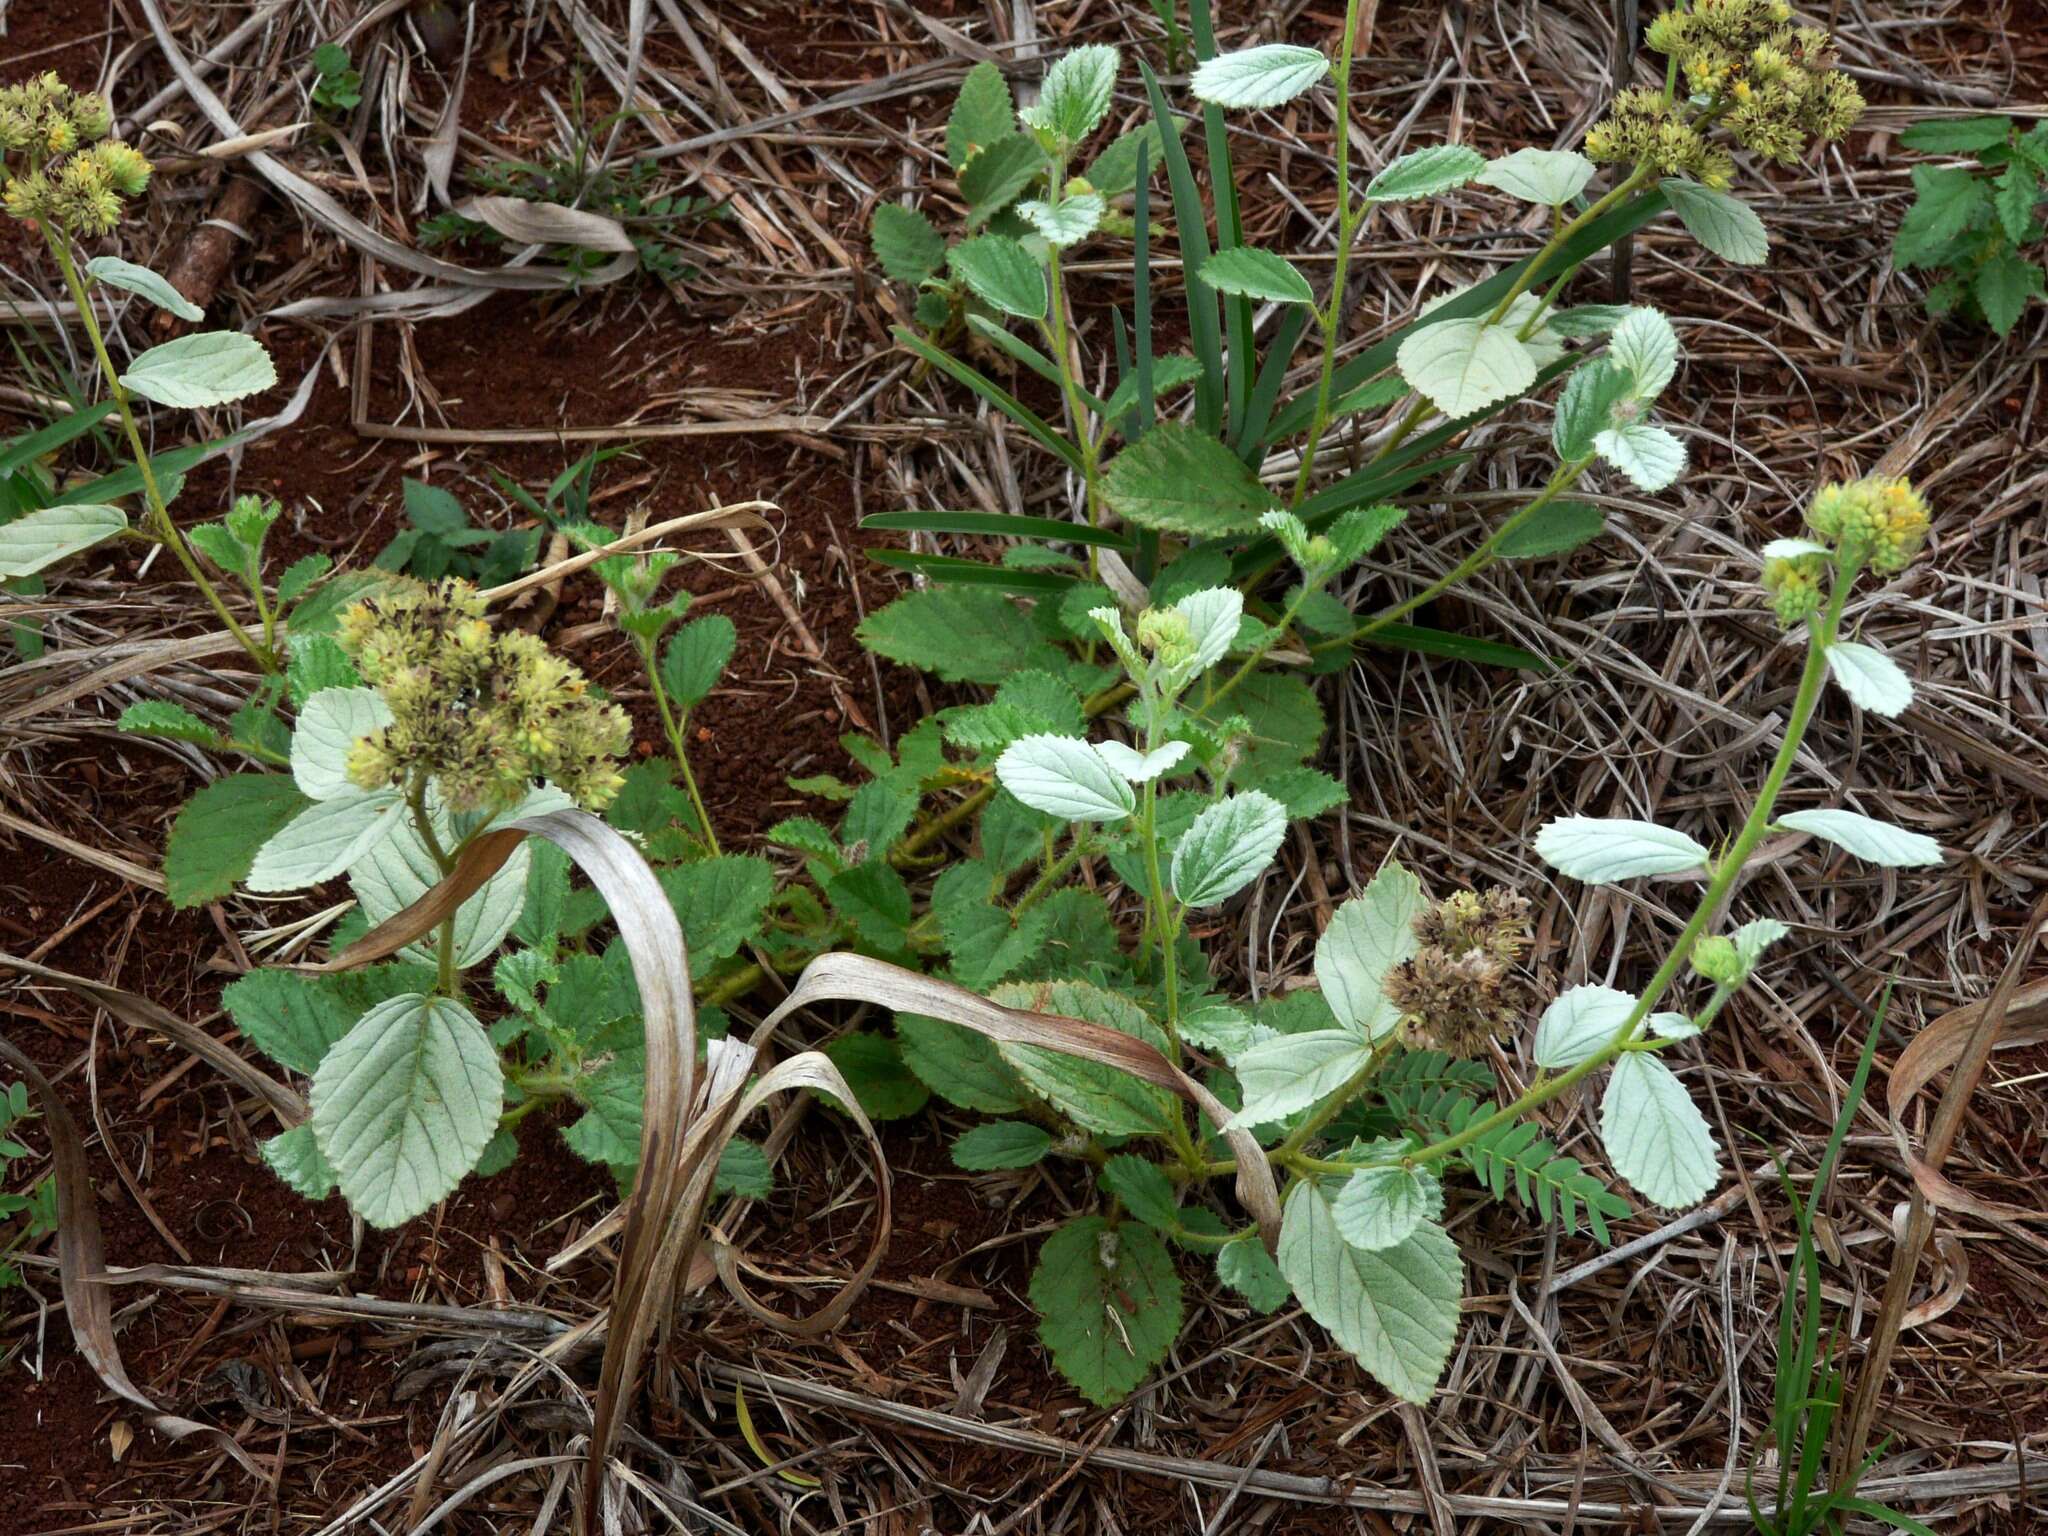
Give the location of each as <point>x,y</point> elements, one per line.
<point>71,173</point>
<point>1878,521</point>
<point>1457,990</point>
<point>483,712</point>
<point>1771,84</point>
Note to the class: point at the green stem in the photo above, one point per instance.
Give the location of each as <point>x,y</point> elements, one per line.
<point>160,513</point>
<point>1727,870</point>
<point>1328,1110</point>
<point>444,940</point>
<point>1088,442</point>
<point>1566,476</point>
<point>1348,220</point>
<point>672,728</point>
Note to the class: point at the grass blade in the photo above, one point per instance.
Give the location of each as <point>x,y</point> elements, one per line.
<point>994,394</point>
<point>972,573</point>
<point>1004,525</point>
<point>1191,222</point>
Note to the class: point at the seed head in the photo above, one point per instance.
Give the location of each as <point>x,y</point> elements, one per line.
<point>484,713</point>
<point>1457,991</point>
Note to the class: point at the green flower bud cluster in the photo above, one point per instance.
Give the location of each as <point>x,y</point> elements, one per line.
<point>1878,521</point>
<point>1772,85</point>
<point>1164,632</point>
<point>69,172</point>
<point>1642,127</point>
<point>1795,585</point>
<point>482,712</point>
<point>1717,959</point>
<point>1457,990</point>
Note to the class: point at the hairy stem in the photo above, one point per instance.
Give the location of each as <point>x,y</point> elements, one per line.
<point>1348,220</point>
<point>672,728</point>
<point>1727,870</point>
<point>160,513</point>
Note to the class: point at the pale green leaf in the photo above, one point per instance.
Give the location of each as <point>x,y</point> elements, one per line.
<point>1644,346</point>
<point>1579,1023</point>
<point>1600,850</point>
<point>1230,845</point>
<point>116,273</point>
<point>325,839</point>
<point>1265,76</point>
<point>1291,1072</point>
<point>1723,224</point>
<point>1464,366</point>
<point>403,1106</point>
<point>296,1158</point>
<point>40,539</point>
<point>1876,841</point>
<point>1180,479</point>
<point>400,869</point>
<point>1368,936</point>
<point>1551,177</point>
<point>1655,1135</point>
<point>1396,1309</point>
<point>1379,1207</point>
<point>327,730</point>
<point>1252,273</point>
<point>1650,456</point>
<point>1424,173</point>
<point>1075,97</point>
<point>1065,778</point>
<point>1870,678</point>
<point>205,368</point>
<point>1068,222</point>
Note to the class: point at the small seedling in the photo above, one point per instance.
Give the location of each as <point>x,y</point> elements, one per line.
<point>1978,225</point>
<point>338,86</point>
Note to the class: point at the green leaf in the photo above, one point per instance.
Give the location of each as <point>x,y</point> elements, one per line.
<point>1725,225</point>
<point>719,902</point>
<point>959,1065</point>
<point>1396,1310</point>
<point>1464,366</point>
<point>874,1070</point>
<point>173,722</point>
<point>1957,135</point>
<point>42,538</point>
<point>1002,1144</point>
<point>2002,285</point>
<point>1425,173</point>
<point>1068,222</point>
<point>1114,172</point>
<point>875,900</point>
<point>1948,201</point>
<point>1368,936</point>
<point>205,368</point>
<point>1557,529</point>
<point>1257,274</point>
<point>743,1170</point>
<point>608,1132</point>
<point>1585,409</point>
<point>292,1019</point>
<point>1075,96</point>
<point>982,113</point>
<point>995,177</point>
<point>695,658</point>
<point>1179,479</point>
<point>215,838</point>
<point>1550,177</point>
<point>1108,1302</point>
<point>296,1158</point>
<point>1305,792</point>
<point>1246,1267</point>
<point>1291,1072</point>
<point>1145,1189</point>
<point>1229,845</point>
<point>314,663</point>
<point>1001,273</point>
<point>116,273</point>
<point>1266,76</point>
<point>1655,1135</point>
<point>1287,722</point>
<point>905,243</point>
<point>403,1105</point>
<point>1095,1096</point>
<point>924,630</point>
<point>1379,1207</point>
<point>2013,196</point>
